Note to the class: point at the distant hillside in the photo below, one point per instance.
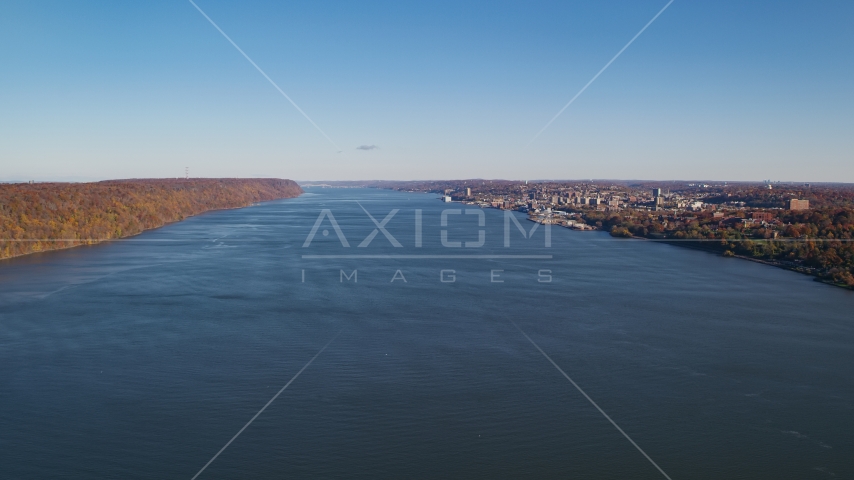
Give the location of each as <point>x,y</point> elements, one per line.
<point>36,217</point>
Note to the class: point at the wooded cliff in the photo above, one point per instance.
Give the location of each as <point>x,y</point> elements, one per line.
<point>36,217</point>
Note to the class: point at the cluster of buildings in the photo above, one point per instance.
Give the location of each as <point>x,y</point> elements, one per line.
<point>561,202</point>
<point>601,197</point>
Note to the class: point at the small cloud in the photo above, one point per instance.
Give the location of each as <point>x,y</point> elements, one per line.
<point>367,147</point>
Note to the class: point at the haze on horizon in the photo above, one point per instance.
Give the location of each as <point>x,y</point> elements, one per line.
<point>712,90</point>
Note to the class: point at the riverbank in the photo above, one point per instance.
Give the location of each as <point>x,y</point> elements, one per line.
<point>791,266</point>
<point>709,246</point>
<point>40,217</point>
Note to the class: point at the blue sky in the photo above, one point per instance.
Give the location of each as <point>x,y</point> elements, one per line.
<point>714,89</point>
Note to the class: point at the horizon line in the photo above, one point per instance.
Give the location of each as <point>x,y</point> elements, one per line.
<point>67,179</point>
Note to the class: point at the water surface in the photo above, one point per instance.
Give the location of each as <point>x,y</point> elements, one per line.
<point>141,358</point>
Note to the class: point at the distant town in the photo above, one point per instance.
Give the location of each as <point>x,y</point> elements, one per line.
<point>800,226</point>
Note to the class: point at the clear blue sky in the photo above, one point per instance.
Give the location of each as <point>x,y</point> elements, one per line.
<point>714,89</point>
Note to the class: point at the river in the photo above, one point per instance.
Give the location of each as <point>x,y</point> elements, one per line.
<point>142,358</point>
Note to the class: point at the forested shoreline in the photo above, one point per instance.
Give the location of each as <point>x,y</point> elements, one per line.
<point>38,217</point>
<point>818,242</point>
<point>808,228</point>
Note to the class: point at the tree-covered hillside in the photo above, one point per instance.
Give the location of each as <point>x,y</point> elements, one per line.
<point>36,217</point>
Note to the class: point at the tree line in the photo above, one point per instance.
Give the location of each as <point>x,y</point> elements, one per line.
<point>36,217</point>
<point>818,242</point>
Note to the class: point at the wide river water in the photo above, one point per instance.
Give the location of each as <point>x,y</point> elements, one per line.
<point>142,358</point>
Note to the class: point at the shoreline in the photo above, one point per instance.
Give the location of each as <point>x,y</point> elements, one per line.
<point>770,263</point>
<point>137,219</point>
<point>99,242</point>
<point>696,246</point>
